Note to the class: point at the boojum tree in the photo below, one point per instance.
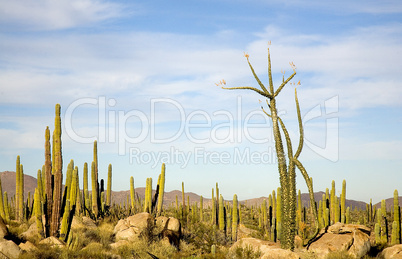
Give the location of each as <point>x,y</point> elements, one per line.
<point>286,166</point>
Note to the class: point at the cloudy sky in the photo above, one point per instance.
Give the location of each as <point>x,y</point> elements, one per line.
<point>140,77</point>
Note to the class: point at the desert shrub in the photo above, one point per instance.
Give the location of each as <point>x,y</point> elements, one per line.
<point>244,252</point>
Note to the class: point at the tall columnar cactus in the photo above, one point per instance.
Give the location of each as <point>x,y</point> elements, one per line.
<point>6,207</point>
<point>21,194</point>
<point>95,206</point>
<point>397,219</point>
<point>109,186</point>
<point>87,206</point>
<point>38,211</point>
<point>235,218</point>
<point>384,223</point>
<point>201,209</point>
<point>132,194</point>
<point>264,214</point>
<point>95,182</point>
<point>347,215</point>
<point>17,187</point>
<point>58,175</point>
<point>161,189</point>
<point>222,218</point>
<point>49,182</point>
<point>213,213</point>
<point>183,200</point>
<point>343,202</point>
<point>279,212</point>
<point>2,211</point>
<point>333,207</point>
<point>287,174</point>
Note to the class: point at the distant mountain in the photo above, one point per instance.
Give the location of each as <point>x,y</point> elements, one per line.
<point>305,197</point>
<point>8,184</point>
<point>389,203</point>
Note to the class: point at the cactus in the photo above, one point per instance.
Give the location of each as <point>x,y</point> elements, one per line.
<point>235,218</point>
<point>397,219</point>
<point>382,217</point>
<point>58,175</point>
<point>377,232</point>
<point>273,230</point>
<point>6,208</point>
<point>183,208</point>
<point>19,191</point>
<point>161,190</point>
<point>38,211</point>
<point>201,209</point>
<point>2,210</point>
<point>287,175</point>
<point>95,206</point>
<point>343,202</point>
<point>109,186</point>
<point>132,194</point>
<point>264,214</point>
<point>213,212</point>
<point>49,182</point>
<point>327,217</point>
<point>347,215</point>
<point>332,202</point>
<point>222,221</point>
<point>337,210</point>
<point>64,222</point>
<point>395,233</point>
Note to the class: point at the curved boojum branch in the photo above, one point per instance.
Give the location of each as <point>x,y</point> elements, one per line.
<point>301,131</point>
<point>284,83</point>
<point>256,77</point>
<point>249,88</point>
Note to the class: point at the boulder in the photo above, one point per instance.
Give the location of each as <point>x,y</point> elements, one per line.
<point>394,252</point>
<point>268,249</point>
<point>9,249</point>
<point>83,222</point>
<point>355,239</point>
<point>52,241</point>
<point>161,224</point>
<point>119,243</point>
<point>32,233</point>
<point>28,247</point>
<point>134,226</point>
<point>3,229</point>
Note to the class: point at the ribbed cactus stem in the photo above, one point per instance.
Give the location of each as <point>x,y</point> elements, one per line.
<point>17,187</point>
<point>2,210</point>
<point>235,218</point>
<point>73,188</point>
<point>161,189</point>
<point>21,194</point>
<point>49,181</point>
<point>38,211</point>
<point>132,194</point>
<point>7,207</point>
<point>343,202</point>
<point>347,215</point>
<point>213,213</point>
<point>222,223</point>
<point>58,175</point>
<point>332,209</point>
<point>109,186</point>
<point>95,205</point>
<point>397,218</point>
<point>201,209</point>
<point>64,222</point>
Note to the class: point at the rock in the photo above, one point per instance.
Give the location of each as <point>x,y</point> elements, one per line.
<point>394,252</point>
<point>9,249</point>
<point>161,224</point>
<point>134,226</point>
<point>174,225</point>
<point>355,239</point>
<point>52,241</point>
<point>28,247</point>
<point>3,228</point>
<point>268,250</point>
<point>32,233</point>
<point>83,222</point>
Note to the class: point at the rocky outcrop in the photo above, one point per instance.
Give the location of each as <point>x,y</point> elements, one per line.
<point>355,239</point>
<point>394,252</point>
<point>266,249</point>
<point>144,225</point>
<point>9,249</point>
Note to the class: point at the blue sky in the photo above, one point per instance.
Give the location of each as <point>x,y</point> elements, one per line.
<point>140,78</point>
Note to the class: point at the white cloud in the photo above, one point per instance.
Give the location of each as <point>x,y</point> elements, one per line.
<point>53,15</point>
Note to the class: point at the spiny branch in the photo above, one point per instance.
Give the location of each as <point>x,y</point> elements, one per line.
<point>284,83</point>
